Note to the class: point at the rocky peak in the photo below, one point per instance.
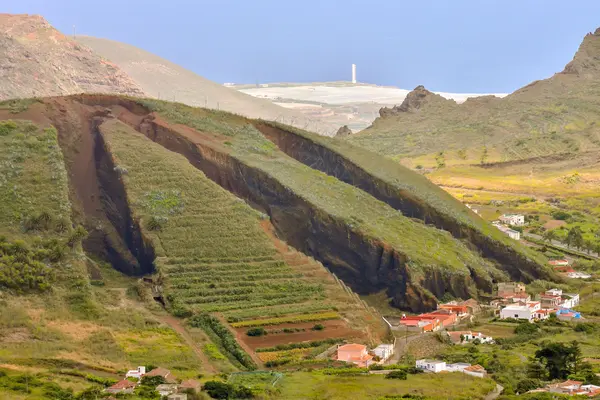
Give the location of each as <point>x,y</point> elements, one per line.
<point>343,132</point>
<point>586,62</point>
<point>418,98</point>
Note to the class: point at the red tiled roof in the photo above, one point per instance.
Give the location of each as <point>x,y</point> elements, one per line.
<point>475,368</point>
<point>352,347</point>
<point>124,384</point>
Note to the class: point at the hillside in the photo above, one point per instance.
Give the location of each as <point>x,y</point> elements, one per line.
<point>231,231</point>
<point>163,79</point>
<point>548,117</point>
<point>536,151</point>
<point>37,61</point>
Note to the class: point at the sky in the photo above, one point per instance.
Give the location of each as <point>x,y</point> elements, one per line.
<point>469,46</point>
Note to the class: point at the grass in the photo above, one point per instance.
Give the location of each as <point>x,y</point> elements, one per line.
<point>32,176</point>
<point>303,385</point>
<point>288,319</point>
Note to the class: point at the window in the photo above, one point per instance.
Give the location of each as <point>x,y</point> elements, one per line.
<point>516,315</point>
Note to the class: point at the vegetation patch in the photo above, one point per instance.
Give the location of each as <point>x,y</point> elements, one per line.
<point>291,319</point>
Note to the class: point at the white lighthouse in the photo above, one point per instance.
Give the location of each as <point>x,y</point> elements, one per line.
<point>353,73</point>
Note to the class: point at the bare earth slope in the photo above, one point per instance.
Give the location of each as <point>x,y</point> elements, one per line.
<point>552,116</point>
<point>165,80</point>
<point>37,60</point>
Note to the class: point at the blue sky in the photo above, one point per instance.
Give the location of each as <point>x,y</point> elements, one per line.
<point>455,46</point>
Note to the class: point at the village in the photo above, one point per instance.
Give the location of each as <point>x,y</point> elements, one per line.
<point>159,379</point>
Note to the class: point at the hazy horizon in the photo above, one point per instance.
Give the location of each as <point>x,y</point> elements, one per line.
<point>470,47</point>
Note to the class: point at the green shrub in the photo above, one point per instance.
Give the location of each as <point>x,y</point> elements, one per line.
<point>526,328</point>
<point>6,127</point>
<point>256,332</point>
<point>397,374</point>
<point>223,337</point>
<point>222,390</point>
<point>318,327</point>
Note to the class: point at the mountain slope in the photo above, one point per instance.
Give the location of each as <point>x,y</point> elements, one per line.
<point>163,79</point>
<point>553,116</point>
<point>37,60</point>
<point>557,115</point>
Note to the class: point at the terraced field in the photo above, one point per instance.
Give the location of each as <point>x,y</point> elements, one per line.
<point>212,254</point>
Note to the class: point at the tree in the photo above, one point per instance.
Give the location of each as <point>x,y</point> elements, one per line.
<point>559,359</point>
<point>575,237</point>
<point>549,236</point>
<point>527,384</point>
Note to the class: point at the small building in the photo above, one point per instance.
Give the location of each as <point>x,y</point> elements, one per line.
<point>476,371</point>
<point>515,297</point>
<point>516,235</point>
<point>136,373</point>
<point>457,367</point>
<point>568,315</point>
<point>578,275</point>
<point>562,262</point>
<point>167,389</point>
<point>459,309</point>
<point>190,384</point>
<point>550,300</point>
<point>570,300</point>
<point>431,365</point>
<point>124,386</point>
<point>520,311</point>
<point>512,219</point>
<point>511,287</point>
<point>355,354</point>
<point>177,396</point>
<point>165,373</point>
<point>384,351</point>
<point>461,337</point>
<point>473,306</point>
<point>417,324</point>
<point>445,317</point>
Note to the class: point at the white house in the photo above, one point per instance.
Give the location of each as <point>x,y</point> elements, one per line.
<point>440,366</point>
<point>457,367</point>
<point>570,300</point>
<point>384,351</point>
<point>578,275</point>
<point>459,337</point>
<point>431,365</point>
<point>516,235</point>
<point>521,311</point>
<point>136,373</point>
<point>513,219</point>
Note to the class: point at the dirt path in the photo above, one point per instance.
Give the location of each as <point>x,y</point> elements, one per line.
<point>401,347</point>
<point>175,324</point>
<point>494,394</point>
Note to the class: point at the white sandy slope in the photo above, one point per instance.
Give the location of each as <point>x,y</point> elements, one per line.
<point>348,94</point>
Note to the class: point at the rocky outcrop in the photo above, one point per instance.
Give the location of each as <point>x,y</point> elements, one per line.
<point>344,131</point>
<point>415,101</point>
<point>586,62</point>
<point>37,60</point>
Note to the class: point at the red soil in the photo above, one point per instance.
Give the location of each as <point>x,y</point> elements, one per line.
<point>333,329</point>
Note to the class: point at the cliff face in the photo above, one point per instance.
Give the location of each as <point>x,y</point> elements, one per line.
<point>37,60</point>
<point>586,62</point>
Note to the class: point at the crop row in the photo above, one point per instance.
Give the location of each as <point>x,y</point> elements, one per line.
<point>300,345</point>
<point>207,274</point>
<point>291,286</point>
<point>216,261</point>
<point>288,319</point>
<point>305,308</point>
<point>265,295</point>
<point>222,267</point>
<point>218,306</point>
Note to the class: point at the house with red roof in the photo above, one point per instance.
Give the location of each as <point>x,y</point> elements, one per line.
<point>475,370</point>
<point>124,386</point>
<point>355,354</point>
<point>165,373</point>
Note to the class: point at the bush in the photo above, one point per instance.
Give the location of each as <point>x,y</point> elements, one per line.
<point>528,384</point>
<point>6,127</point>
<point>526,328</point>
<point>560,215</point>
<point>587,327</point>
<point>222,390</point>
<point>256,332</point>
<point>397,374</point>
<point>318,327</point>
<point>223,337</point>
